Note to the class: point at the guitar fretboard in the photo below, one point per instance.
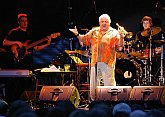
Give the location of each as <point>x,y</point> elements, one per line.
<point>36,43</point>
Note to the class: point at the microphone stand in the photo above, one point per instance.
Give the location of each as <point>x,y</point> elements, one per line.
<point>89,71</point>
<point>88,75</point>
<point>71,48</point>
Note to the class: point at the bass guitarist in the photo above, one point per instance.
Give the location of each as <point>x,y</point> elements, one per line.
<point>17,39</point>
<point>21,44</point>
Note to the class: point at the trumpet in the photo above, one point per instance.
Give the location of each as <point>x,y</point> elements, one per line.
<point>122,29</point>
<point>127,34</point>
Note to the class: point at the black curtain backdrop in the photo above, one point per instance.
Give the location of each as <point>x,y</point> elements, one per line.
<point>49,16</point>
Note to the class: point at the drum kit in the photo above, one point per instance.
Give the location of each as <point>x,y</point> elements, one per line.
<point>134,63</point>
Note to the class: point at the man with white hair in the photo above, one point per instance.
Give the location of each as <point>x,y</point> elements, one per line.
<point>104,41</point>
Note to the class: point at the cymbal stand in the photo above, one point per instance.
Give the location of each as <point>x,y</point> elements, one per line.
<point>161,78</point>
<point>150,58</point>
<point>145,72</point>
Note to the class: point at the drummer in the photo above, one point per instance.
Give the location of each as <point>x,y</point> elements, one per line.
<point>143,37</point>
<point>147,33</point>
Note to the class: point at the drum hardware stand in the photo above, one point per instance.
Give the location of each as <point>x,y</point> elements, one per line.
<point>161,78</point>
<point>144,80</point>
<point>150,59</point>
<point>145,72</point>
<point>139,72</point>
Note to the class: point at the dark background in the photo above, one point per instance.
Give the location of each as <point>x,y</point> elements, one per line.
<point>49,16</point>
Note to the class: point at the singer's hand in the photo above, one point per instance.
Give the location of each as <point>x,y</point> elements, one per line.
<point>74,30</point>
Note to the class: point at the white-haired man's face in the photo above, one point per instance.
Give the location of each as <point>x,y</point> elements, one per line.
<point>104,24</point>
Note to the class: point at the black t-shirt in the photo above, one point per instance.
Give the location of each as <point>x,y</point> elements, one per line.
<point>26,62</point>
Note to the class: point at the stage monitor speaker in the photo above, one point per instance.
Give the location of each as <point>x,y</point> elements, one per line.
<point>163,97</point>
<point>57,93</point>
<point>113,93</point>
<point>146,93</point>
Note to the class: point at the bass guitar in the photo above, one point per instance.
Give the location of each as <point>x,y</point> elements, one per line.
<point>22,52</point>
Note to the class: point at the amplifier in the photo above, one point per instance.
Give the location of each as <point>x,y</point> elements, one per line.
<point>15,73</point>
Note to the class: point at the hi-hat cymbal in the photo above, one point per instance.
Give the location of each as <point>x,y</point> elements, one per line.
<point>152,31</point>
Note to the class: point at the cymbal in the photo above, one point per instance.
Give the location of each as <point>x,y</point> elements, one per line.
<point>159,41</point>
<point>121,55</point>
<point>138,55</point>
<point>135,54</point>
<point>144,54</point>
<point>155,30</point>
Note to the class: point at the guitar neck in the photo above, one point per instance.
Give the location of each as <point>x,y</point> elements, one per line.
<point>36,43</point>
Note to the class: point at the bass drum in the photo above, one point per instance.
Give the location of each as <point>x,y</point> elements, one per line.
<point>127,72</point>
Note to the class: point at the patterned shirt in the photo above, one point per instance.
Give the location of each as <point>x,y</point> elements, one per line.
<point>103,47</point>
